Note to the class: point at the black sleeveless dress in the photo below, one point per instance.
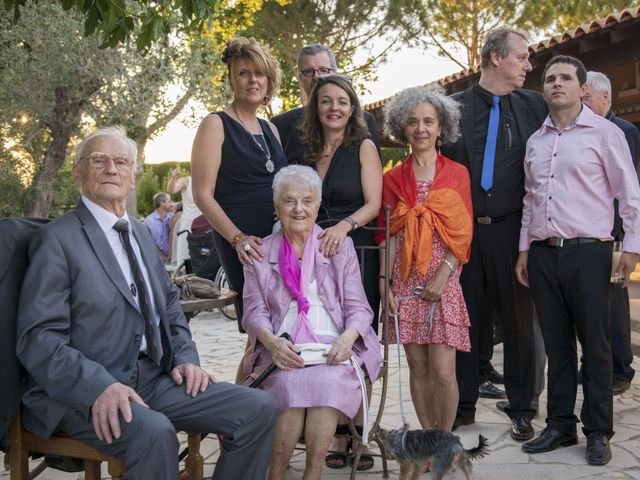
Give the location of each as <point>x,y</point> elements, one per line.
<point>342,195</point>
<point>243,190</point>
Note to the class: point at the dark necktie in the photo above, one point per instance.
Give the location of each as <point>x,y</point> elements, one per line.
<point>486,181</point>
<point>151,330</point>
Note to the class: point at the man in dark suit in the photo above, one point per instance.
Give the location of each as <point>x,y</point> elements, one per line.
<point>102,335</point>
<point>498,116</point>
<point>598,98</point>
<point>314,61</point>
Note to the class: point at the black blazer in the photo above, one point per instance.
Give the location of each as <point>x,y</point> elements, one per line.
<point>287,123</point>
<point>15,234</point>
<point>632,134</point>
<point>529,110</point>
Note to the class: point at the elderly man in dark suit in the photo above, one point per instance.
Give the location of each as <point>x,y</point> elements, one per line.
<point>314,61</point>
<point>598,98</point>
<point>498,116</point>
<point>102,335</point>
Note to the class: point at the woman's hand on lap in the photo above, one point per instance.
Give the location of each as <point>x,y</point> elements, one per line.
<point>341,347</point>
<point>284,354</point>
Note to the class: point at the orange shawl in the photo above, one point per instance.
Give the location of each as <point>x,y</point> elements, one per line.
<point>446,209</point>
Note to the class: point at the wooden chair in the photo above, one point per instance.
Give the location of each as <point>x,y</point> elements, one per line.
<point>22,443</point>
<point>14,239</point>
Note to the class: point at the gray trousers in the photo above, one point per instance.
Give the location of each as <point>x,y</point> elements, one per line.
<point>148,445</point>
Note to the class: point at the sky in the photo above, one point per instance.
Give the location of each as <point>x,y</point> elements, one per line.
<point>408,68</point>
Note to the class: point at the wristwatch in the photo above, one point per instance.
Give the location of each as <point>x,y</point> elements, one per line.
<point>352,222</point>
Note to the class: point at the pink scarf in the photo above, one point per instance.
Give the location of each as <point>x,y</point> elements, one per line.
<point>297,280</point>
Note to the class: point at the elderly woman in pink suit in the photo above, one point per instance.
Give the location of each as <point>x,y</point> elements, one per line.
<point>317,300</point>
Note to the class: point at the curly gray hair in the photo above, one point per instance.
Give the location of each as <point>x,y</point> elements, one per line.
<point>296,175</point>
<point>399,109</point>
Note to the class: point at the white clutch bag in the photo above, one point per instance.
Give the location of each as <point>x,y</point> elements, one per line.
<point>315,353</point>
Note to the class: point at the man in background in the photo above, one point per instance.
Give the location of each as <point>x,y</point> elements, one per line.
<point>598,98</point>
<point>314,61</point>
<point>159,223</point>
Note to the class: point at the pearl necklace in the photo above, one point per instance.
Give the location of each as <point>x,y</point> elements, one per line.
<point>269,163</point>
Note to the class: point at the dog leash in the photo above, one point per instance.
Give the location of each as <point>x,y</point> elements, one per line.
<point>397,330</point>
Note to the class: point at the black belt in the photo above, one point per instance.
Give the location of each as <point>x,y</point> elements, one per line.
<point>557,242</point>
<point>487,220</point>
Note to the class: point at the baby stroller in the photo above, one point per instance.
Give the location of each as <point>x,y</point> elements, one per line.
<point>203,259</point>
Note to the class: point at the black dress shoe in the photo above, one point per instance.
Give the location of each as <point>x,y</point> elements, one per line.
<point>462,421</point>
<point>489,390</point>
<point>495,377</point>
<point>620,386</point>
<point>598,449</point>
<point>502,405</point>
<point>521,429</point>
<point>550,440</point>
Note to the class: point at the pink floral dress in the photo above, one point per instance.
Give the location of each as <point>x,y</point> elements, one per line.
<point>450,322</point>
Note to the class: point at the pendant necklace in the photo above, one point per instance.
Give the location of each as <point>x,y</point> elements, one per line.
<point>267,153</point>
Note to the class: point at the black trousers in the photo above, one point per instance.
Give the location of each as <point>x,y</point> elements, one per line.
<point>622,354</point>
<point>571,291</point>
<point>233,269</point>
<point>488,279</point>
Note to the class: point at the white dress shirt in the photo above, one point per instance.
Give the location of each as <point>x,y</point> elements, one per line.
<point>106,220</point>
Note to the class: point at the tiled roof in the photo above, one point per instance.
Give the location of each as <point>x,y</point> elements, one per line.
<point>586,29</point>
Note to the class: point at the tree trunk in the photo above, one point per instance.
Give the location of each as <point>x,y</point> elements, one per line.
<point>132,198</point>
<point>67,112</point>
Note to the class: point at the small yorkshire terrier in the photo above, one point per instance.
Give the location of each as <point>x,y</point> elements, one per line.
<point>412,449</point>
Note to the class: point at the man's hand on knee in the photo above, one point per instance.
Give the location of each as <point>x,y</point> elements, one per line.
<point>105,410</point>
<point>196,378</point>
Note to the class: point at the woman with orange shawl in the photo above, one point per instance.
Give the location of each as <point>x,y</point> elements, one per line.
<point>431,229</point>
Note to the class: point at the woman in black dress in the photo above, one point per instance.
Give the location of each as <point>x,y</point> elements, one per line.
<point>234,158</point>
<point>337,145</point>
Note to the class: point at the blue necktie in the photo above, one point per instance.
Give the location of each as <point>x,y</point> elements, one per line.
<point>486,182</point>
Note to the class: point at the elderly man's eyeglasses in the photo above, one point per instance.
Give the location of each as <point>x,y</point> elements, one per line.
<point>311,72</point>
<point>102,160</point>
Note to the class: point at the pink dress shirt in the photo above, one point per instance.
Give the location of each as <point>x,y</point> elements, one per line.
<point>571,178</point>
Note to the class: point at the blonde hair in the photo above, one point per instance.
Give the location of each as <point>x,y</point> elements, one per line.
<point>260,56</point>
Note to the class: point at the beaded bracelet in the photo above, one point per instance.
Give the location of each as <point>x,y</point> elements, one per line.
<point>237,238</point>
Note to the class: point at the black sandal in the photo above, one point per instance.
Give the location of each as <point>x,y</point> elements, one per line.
<point>366,461</point>
<point>337,460</point>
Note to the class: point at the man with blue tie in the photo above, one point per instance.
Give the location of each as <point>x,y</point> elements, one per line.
<point>498,116</point>
<point>102,335</point>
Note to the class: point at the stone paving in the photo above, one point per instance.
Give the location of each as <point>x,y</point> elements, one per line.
<point>220,347</point>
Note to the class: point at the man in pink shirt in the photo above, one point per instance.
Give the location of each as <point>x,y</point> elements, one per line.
<point>575,166</point>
